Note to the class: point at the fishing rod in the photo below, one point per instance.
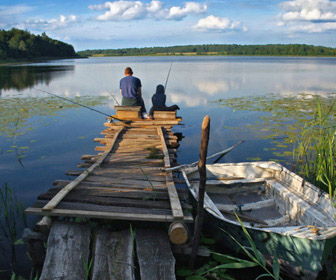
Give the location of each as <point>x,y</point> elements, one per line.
<point>115,99</point>
<point>171,65</point>
<point>79,104</point>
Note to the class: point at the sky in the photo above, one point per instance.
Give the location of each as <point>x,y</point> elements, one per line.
<point>99,24</point>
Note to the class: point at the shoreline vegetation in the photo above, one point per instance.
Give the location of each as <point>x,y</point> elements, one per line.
<point>19,46</point>
<point>217,50</point>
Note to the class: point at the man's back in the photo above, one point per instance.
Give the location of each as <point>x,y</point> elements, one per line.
<point>129,86</point>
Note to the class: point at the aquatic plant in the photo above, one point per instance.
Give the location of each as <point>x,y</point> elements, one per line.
<point>11,215</point>
<point>315,152</point>
<point>281,119</point>
<point>219,265</point>
<point>16,111</point>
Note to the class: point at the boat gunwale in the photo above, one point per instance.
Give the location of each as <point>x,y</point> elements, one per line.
<point>301,231</point>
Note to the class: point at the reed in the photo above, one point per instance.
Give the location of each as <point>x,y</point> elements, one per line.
<point>315,153</point>
<point>219,266</point>
<point>11,215</point>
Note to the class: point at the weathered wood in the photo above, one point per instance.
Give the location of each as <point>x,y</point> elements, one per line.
<point>201,189</point>
<point>148,123</point>
<point>155,257</point>
<point>62,193</point>
<point>124,182</point>
<point>68,251</point>
<point>94,213</point>
<point>143,194</point>
<point>145,202</point>
<point>164,115</point>
<point>178,233</point>
<point>173,196</point>
<point>127,108</point>
<point>112,210</point>
<point>111,187</point>
<point>44,225</point>
<point>108,185</point>
<point>113,255</point>
<point>128,115</point>
<point>35,248</point>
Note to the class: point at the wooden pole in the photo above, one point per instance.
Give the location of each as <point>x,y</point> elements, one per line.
<point>201,189</point>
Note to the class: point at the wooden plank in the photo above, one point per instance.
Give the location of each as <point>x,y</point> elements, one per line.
<point>147,122</point>
<point>118,177</point>
<point>132,162</point>
<point>164,115</point>
<point>108,215</point>
<point>108,185</point>
<point>127,108</point>
<point>137,202</point>
<point>173,195</point>
<point>154,254</point>
<point>68,248</point>
<point>53,202</point>
<point>113,210</point>
<point>60,183</point>
<point>113,255</point>
<point>125,181</point>
<point>122,192</point>
<point>110,172</point>
<point>128,115</point>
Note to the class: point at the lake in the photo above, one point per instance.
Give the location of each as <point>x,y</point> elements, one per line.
<point>262,100</point>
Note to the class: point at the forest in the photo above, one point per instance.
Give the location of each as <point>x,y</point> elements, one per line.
<point>20,44</point>
<point>215,49</point>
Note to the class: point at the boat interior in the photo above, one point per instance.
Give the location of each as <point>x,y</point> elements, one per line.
<point>265,195</point>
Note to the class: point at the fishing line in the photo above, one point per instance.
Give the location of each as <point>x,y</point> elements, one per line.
<point>115,99</point>
<point>171,65</point>
<point>74,102</point>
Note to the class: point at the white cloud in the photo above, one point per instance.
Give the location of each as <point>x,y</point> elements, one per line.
<point>13,10</point>
<point>42,24</point>
<point>8,14</point>
<point>218,23</point>
<point>309,10</point>
<point>312,16</point>
<point>189,8</point>
<point>132,10</point>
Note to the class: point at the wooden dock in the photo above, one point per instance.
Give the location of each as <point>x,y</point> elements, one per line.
<point>126,180</point>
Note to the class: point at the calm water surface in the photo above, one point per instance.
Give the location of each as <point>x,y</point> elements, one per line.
<point>38,145</point>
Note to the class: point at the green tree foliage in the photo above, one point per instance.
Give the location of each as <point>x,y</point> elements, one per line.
<point>20,44</point>
<point>269,50</point>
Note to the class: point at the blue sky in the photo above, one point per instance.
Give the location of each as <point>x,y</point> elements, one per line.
<point>95,24</point>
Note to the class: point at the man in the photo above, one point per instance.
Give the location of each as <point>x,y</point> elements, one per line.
<point>130,89</point>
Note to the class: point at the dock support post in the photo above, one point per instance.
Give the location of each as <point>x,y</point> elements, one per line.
<point>201,189</point>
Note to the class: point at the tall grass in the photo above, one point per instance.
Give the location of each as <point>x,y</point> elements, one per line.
<point>11,215</point>
<point>315,153</point>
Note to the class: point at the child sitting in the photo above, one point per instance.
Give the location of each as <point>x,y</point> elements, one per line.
<point>159,102</point>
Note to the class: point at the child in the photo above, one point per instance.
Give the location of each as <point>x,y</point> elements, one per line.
<point>159,102</point>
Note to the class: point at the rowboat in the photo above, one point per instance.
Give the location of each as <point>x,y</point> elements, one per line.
<point>282,212</point>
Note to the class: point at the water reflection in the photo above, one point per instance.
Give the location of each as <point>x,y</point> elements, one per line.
<point>58,134</point>
<point>21,77</point>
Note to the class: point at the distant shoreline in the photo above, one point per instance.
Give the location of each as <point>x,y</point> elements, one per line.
<point>12,61</point>
<point>180,55</point>
<point>217,50</point>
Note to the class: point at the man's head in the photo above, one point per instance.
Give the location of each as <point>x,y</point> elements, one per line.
<point>128,71</point>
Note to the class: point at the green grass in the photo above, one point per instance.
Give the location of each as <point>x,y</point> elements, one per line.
<point>11,215</point>
<point>315,153</point>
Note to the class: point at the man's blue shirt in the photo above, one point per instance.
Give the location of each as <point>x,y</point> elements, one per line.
<point>129,86</point>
